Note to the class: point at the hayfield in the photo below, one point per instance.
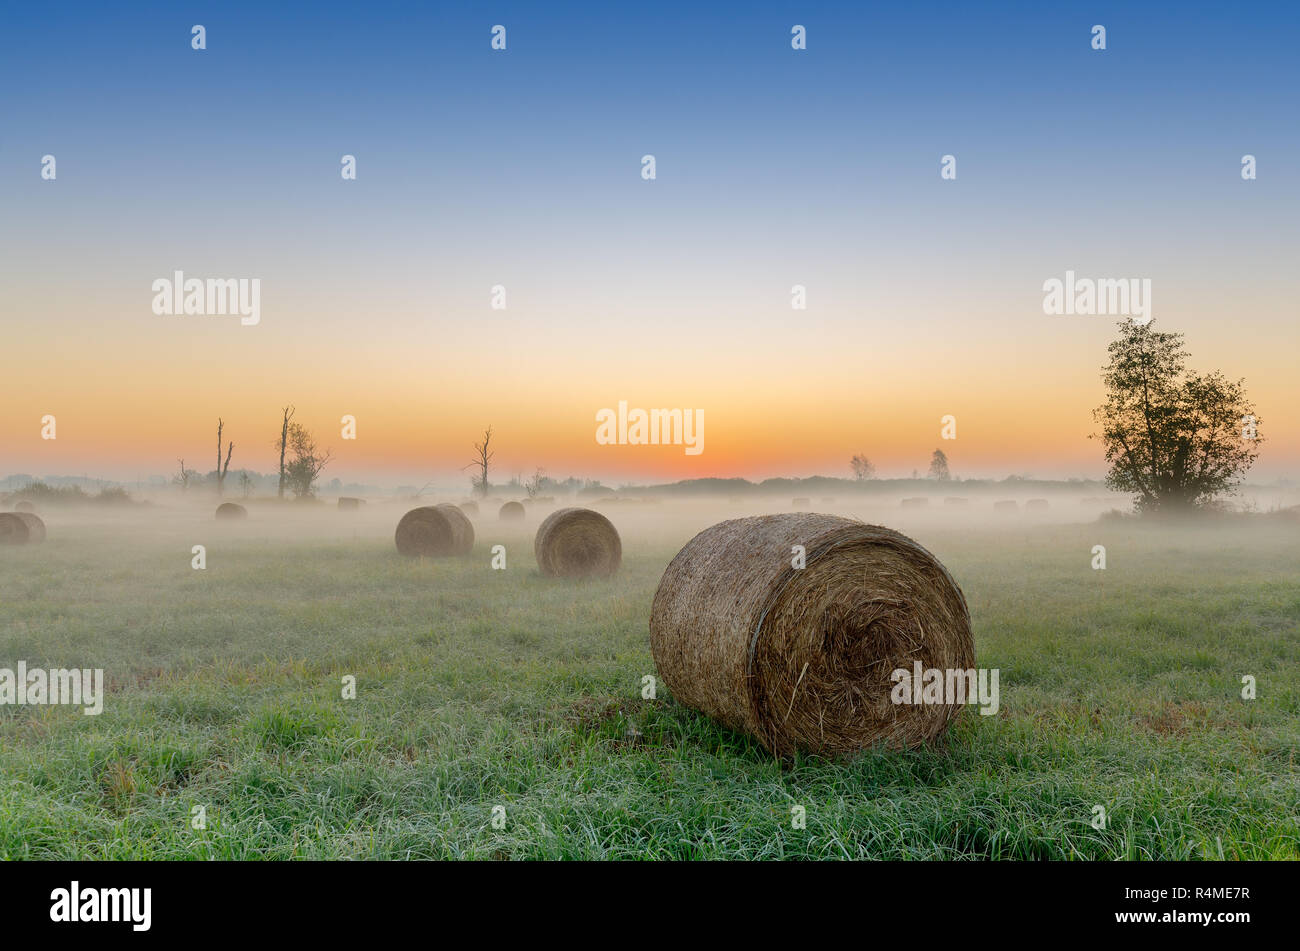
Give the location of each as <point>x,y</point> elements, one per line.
<point>499,713</point>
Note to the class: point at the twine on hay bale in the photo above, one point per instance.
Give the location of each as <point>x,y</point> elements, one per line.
<point>512,512</point>
<point>349,504</point>
<point>231,510</point>
<point>802,658</point>
<point>21,528</point>
<point>577,543</point>
<point>435,530</point>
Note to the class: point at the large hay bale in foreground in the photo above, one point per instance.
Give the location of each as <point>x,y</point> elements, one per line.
<point>802,658</point>
<point>348,504</point>
<point>24,506</point>
<point>435,530</point>
<point>231,511</point>
<point>21,528</point>
<point>512,512</point>
<point>577,543</point>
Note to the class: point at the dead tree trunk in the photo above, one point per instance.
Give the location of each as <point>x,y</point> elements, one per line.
<point>284,441</point>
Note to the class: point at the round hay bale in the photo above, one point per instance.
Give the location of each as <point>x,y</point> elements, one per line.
<point>469,508</point>
<point>24,506</point>
<point>577,543</point>
<point>435,530</point>
<point>801,503</point>
<point>512,512</point>
<point>1007,506</point>
<point>35,527</point>
<point>802,659</point>
<point>1036,505</point>
<point>349,504</point>
<point>919,502</point>
<point>230,511</point>
<point>954,500</point>
<point>21,528</point>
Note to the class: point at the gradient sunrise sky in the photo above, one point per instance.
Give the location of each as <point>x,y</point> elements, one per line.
<point>522,168</point>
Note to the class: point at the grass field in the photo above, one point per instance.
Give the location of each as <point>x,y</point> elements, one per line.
<point>479,689</point>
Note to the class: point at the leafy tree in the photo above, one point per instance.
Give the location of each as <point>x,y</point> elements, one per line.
<point>307,463</point>
<point>939,466</point>
<point>1175,439</point>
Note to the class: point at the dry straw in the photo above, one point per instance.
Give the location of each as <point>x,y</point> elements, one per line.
<point>435,530</point>
<point>802,658</point>
<point>577,543</point>
<point>21,528</point>
<point>511,512</point>
<point>231,510</point>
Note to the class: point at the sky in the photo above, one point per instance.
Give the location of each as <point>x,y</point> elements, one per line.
<point>522,168</point>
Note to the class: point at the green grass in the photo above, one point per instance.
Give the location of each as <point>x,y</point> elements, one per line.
<point>480,688</point>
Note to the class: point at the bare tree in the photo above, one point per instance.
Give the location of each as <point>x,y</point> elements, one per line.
<point>534,484</point>
<point>282,444</point>
<point>182,478</point>
<point>862,468</point>
<point>483,457</point>
<point>221,472</point>
<point>939,466</point>
<point>245,483</point>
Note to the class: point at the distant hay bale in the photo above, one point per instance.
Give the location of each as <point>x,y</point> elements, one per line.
<point>469,508</point>
<point>916,503</point>
<point>435,530</point>
<point>512,512</point>
<point>955,501</point>
<point>801,503</point>
<point>802,658</point>
<point>1036,505</point>
<point>1006,506</point>
<point>577,543</point>
<point>21,528</point>
<point>828,500</point>
<point>24,506</point>
<point>349,504</point>
<point>231,510</point>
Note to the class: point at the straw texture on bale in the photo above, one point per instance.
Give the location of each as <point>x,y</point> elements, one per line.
<point>577,543</point>
<point>435,530</point>
<point>802,658</point>
<point>25,506</point>
<point>512,512</point>
<point>469,508</point>
<point>21,528</point>
<point>347,503</point>
<point>231,510</point>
